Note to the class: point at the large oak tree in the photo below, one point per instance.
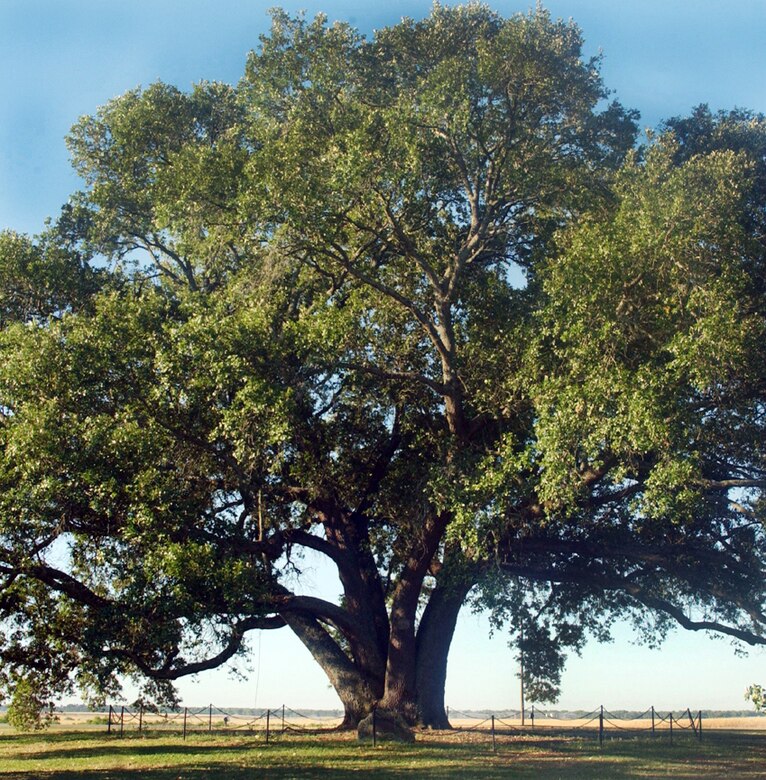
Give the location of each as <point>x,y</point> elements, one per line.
<point>415,304</point>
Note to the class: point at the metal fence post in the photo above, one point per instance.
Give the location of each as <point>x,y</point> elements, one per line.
<point>601,726</point>
<point>695,722</point>
<point>671,727</point>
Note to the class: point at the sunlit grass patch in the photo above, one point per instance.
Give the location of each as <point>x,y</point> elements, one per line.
<point>67,755</point>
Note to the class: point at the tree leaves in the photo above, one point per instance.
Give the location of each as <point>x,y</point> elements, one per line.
<point>289,314</point>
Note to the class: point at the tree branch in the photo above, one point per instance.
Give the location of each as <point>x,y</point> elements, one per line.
<point>366,368</point>
<point>168,672</point>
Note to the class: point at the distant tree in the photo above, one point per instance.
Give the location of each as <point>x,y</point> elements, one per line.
<point>413,304</point>
<point>756,694</point>
<point>28,711</point>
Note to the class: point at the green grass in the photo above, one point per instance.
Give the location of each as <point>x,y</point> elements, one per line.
<point>94,756</point>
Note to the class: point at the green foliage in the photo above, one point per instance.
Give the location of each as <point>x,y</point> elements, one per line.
<point>39,279</point>
<point>27,711</point>
<point>289,315</point>
<point>756,694</point>
<point>649,315</point>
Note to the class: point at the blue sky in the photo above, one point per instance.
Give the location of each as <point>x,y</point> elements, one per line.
<point>60,59</point>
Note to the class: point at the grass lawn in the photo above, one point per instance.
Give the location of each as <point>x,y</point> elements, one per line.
<point>156,756</point>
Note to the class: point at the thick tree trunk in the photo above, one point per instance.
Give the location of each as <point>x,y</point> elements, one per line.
<point>400,693</point>
<point>365,600</point>
<point>364,668</point>
<point>357,694</point>
<point>437,627</point>
<point>416,668</point>
<point>362,588</point>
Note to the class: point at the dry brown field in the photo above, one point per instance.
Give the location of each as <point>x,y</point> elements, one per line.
<point>90,721</point>
<point>755,723</point>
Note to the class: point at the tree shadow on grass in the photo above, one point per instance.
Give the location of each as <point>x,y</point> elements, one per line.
<point>721,755</point>
<point>14,737</point>
<point>227,772</point>
<point>118,750</point>
<point>301,759</point>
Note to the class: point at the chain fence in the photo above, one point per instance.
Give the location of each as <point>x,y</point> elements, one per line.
<point>489,727</point>
<point>598,724</point>
<point>213,719</point>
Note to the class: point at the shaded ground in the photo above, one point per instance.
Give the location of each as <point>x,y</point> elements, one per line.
<point>92,756</point>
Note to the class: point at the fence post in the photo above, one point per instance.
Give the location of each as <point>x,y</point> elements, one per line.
<point>283,718</point>
<point>671,726</point>
<point>374,726</point>
<point>601,726</point>
<point>494,744</point>
<point>652,720</point>
<point>186,709</point>
<point>109,722</point>
<point>122,720</point>
<point>699,726</point>
<point>140,717</point>
<point>532,718</point>
<point>268,713</point>
<point>210,719</point>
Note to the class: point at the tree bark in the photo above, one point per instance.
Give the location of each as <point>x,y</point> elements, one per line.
<point>434,637</point>
<point>415,663</point>
<point>400,688</point>
<point>357,694</point>
<point>400,694</point>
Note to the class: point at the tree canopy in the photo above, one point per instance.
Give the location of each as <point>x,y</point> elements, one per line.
<point>418,304</point>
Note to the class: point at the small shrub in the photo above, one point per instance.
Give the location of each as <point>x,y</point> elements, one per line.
<point>27,710</point>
